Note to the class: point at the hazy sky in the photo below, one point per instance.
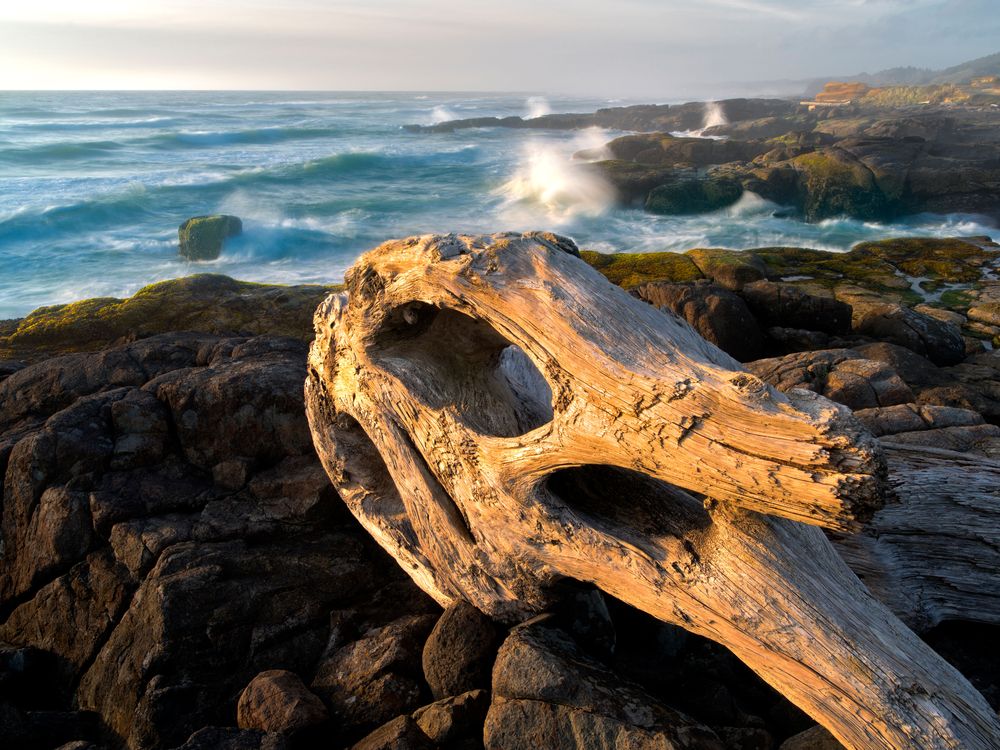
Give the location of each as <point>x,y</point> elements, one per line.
<point>620,47</point>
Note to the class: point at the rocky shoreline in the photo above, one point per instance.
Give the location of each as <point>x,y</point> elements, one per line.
<point>178,571</point>
<point>883,155</point>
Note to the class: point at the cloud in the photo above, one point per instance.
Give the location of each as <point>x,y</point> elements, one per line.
<point>644,48</point>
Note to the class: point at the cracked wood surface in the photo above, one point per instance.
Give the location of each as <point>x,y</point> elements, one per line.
<point>500,417</point>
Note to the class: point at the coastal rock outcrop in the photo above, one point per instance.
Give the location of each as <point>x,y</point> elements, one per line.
<point>202,237</point>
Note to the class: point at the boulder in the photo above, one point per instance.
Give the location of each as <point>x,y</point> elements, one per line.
<point>454,720</point>
<point>730,269</point>
<point>208,303</point>
<point>816,738</point>
<point>278,701</point>
<point>228,738</point>
<point>159,591</point>
<point>377,677</point>
<point>787,306</point>
<point>629,270</point>
<point>202,237</point>
<point>693,196</point>
<point>458,655</point>
<point>718,315</point>
<point>548,693</point>
<point>902,418</point>
<point>402,733</point>
<point>839,374</point>
<point>939,341</point>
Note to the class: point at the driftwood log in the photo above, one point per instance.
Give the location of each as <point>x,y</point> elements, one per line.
<point>933,554</point>
<point>500,417</point>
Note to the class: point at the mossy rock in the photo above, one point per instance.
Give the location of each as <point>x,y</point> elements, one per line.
<point>207,303</point>
<point>831,183</point>
<point>693,196</point>
<point>629,270</point>
<point>951,260</point>
<point>831,268</point>
<point>631,181</point>
<point>202,237</point>
<point>729,268</point>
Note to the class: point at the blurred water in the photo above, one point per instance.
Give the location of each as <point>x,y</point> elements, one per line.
<point>94,185</point>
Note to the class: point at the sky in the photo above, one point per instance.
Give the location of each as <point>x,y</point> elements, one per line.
<point>608,47</point>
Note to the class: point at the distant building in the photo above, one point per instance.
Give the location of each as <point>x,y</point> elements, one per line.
<point>985,82</point>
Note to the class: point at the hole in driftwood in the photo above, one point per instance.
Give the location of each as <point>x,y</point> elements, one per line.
<point>627,504</point>
<point>446,358</point>
<point>363,473</point>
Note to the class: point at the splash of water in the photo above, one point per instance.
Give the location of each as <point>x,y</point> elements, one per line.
<point>441,114</point>
<point>713,116</point>
<point>547,186</point>
<point>538,106</point>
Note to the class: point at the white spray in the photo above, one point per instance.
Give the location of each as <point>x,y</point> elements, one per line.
<point>538,106</point>
<point>549,187</point>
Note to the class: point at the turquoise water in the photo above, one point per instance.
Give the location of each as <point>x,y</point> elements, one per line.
<point>94,185</point>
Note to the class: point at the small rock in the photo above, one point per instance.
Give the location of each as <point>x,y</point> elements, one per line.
<point>947,316</point>
<point>278,701</point>
<point>377,677</point>
<point>988,313</point>
<point>201,237</point>
<point>816,738</point>
<point>228,738</point>
<point>460,650</point>
<point>402,733</point>
<point>454,718</point>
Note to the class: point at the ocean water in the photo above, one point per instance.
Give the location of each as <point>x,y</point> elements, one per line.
<point>94,185</point>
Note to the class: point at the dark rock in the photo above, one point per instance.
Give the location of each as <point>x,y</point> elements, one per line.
<point>227,738</point>
<point>902,418</point>
<point>458,655</point>
<point>693,196</point>
<point>839,374</point>
<point>816,738</point>
<point>202,237</point>
<point>745,738</point>
<point>937,340</point>
<point>377,677</point>
<point>30,730</point>
<point>456,719</point>
<point>583,613</point>
<point>718,315</point>
<point>278,701</point>
<point>402,733</point>
<point>787,306</point>
<point>982,439</point>
<point>548,693</point>
<point>159,593</point>
<point>790,340</point>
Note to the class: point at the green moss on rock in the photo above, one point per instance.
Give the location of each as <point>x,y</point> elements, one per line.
<point>951,260</point>
<point>632,269</point>
<point>693,196</point>
<point>207,303</point>
<point>202,237</point>
<point>833,184</point>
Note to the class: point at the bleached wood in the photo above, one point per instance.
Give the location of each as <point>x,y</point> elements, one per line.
<point>464,464</point>
<point>934,553</point>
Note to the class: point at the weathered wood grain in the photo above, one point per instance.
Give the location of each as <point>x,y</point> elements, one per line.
<point>500,417</point>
